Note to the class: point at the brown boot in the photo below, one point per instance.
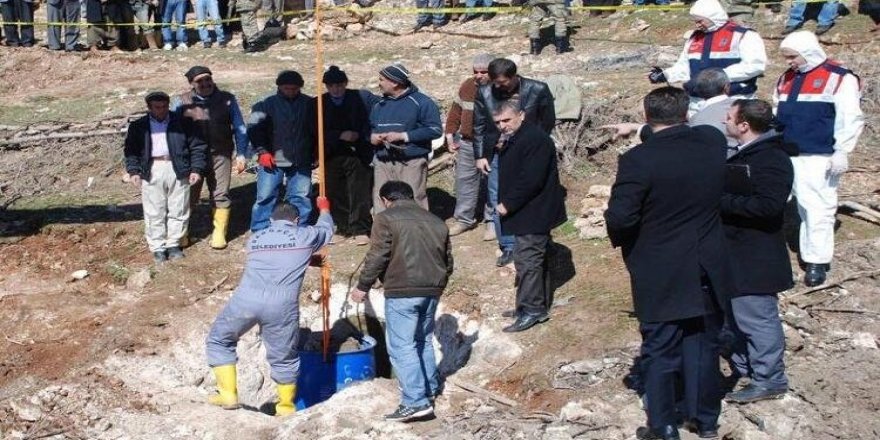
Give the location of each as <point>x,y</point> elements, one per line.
<point>150,38</point>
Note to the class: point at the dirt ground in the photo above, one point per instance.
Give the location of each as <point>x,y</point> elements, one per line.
<point>119,354</point>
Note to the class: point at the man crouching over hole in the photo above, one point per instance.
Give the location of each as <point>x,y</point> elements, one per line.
<point>411,253</point>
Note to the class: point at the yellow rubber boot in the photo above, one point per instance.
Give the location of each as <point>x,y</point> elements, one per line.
<point>221,224</point>
<point>286,394</point>
<point>227,388</point>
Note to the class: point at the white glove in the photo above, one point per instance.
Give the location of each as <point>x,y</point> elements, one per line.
<point>838,164</point>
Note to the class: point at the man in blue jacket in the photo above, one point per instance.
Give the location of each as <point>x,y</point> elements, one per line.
<point>282,129</point>
<point>402,124</point>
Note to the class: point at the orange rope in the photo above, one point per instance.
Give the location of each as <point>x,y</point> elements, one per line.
<point>322,189</point>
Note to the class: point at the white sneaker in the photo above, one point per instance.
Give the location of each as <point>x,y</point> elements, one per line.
<point>182,47</point>
<point>167,46</point>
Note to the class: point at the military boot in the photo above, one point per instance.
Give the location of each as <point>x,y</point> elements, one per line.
<point>534,46</point>
<point>562,45</point>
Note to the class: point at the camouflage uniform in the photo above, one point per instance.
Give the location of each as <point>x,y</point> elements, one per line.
<point>555,9</point>
<point>248,11</point>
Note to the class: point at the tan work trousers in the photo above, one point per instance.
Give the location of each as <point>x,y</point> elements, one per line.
<point>218,183</point>
<point>166,207</point>
<point>412,171</point>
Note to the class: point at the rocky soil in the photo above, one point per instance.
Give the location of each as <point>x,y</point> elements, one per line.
<point>116,351</point>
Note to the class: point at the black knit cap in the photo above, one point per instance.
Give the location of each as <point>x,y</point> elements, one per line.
<point>334,75</point>
<point>397,73</point>
<point>289,77</point>
<point>196,71</point>
<point>157,96</point>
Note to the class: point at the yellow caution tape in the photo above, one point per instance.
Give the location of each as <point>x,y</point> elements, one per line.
<point>386,11</point>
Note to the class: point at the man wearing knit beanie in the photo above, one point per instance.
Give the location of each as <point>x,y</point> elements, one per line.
<point>348,155</point>
<point>402,125</point>
<point>469,181</point>
<point>283,132</point>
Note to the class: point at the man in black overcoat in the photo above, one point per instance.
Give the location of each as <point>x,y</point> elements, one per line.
<point>531,202</point>
<point>760,177</point>
<point>664,215</point>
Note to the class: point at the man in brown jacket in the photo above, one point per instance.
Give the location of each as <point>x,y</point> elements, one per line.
<point>411,253</point>
<point>469,181</point>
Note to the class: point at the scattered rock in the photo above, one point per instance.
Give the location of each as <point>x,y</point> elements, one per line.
<point>864,340</point>
<point>591,223</point>
<point>79,275</point>
<point>139,279</point>
<point>26,410</point>
<point>426,44</point>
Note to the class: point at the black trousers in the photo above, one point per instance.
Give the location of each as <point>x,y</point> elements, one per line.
<point>350,190</point>
<point>18,11</point>
<point>533,293</point>
<point>688,349</point>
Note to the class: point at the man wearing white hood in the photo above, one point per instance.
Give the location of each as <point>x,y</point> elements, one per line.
<point>817,102</point>
<point>717,42</point>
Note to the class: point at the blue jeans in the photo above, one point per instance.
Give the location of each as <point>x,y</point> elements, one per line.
<point>656,2</point>
<point>408,332</point>
<point>175,10</point>
<point>423,18</point>
<point>505,242</point>
<point>826,15</point>
<point>299,185</point>
<point>208,9</point>
<point>474,3</point>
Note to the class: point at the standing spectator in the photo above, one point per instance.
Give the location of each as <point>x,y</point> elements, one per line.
<point>556,12</point>
<point>411,253</point>
<point>717,42</point>
<point>537,102</point>
<point>531,202</point>
<point>18,11</point>
<point>348,155</point>
<point>713,86</point>
<point>664,215</point>
<point>63,11</point>
<point>818,105</point>
<point>402,124</point>
<point>825,19</point>
<point>752,211</point>
<point>469,181</point>
<point>253,38</point>
<point>102,33</point>
<point>145,35</point>
<point>283,130</point>
<point>164,158</point>
<point>175,11</point>
<point>217,116</point>
<point>268,296</point>
<point>424,19</point>
<point>470,4</point>
<point>871,8</point>
<point>209,10</point>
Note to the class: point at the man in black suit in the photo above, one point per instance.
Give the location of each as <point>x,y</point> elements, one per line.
<point>664,214</point>
<point>759,182</point>
<point>531,202</point>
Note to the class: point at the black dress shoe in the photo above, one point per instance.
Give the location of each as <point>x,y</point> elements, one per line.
<point>822,29</point>
<point>693,426</point>
<point>505,259</point>
<point>753,393</point>
<point>525,322</point>
<point>668,432</point>
<point>815,274</point>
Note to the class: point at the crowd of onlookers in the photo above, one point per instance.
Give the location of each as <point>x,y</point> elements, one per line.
<point>154,24</point>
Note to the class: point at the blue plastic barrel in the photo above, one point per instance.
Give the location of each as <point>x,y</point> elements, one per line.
<point>318,380</point>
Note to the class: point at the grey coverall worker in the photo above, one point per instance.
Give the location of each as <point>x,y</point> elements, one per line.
<point>268,296</point>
